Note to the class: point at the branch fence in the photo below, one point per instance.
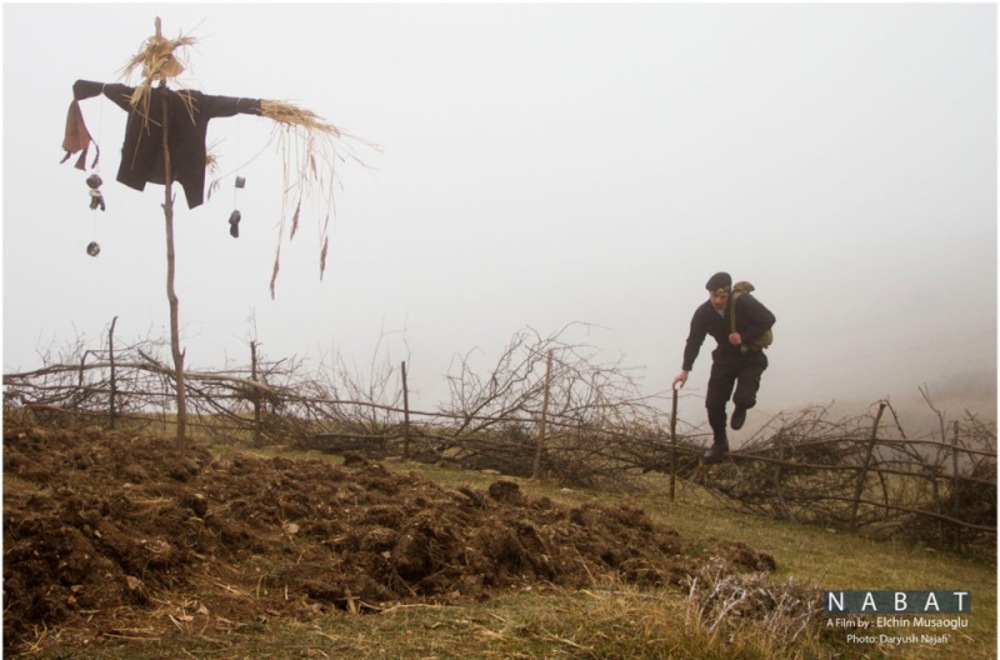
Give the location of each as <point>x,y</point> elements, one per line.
<point>546,410</point>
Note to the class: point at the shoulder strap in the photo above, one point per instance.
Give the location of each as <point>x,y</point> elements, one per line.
<point>738,290</point>
<point>732,311</point>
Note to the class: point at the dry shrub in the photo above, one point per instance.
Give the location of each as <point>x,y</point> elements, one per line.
<point>723,601</point>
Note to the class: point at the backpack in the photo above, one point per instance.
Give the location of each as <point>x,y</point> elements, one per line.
<point>743,289</point>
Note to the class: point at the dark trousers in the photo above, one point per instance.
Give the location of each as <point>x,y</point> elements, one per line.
<point>743,373</point>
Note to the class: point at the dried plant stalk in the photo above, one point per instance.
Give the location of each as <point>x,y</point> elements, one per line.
<point>311,149</point>
<point>275,268</point>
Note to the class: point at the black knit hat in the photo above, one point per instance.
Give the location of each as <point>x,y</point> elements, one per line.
<point>719,281</point>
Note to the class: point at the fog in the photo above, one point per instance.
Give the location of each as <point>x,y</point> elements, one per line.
<point>541,166</point>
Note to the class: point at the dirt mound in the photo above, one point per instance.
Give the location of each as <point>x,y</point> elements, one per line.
<point>104,529</point>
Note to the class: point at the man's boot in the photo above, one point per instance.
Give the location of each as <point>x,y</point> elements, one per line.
<point>718,449</point>
<point>739,416</point>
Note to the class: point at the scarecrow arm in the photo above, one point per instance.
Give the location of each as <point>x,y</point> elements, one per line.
<point>212,106</point>
<point>116,92</point>
<point>227,106</point>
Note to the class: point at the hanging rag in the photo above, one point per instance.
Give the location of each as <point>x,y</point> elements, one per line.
<point>77,138</point>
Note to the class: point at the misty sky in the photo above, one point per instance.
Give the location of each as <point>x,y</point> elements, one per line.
<point>541,165</point>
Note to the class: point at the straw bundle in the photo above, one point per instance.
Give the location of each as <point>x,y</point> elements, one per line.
<point>293,116</point>
<point>158,61</point>
<point>156,57</point>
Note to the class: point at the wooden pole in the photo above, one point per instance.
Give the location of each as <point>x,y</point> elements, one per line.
<point>955,489</point>
<point>863,472</point>
<point>673,443</point>
<point>406,414</point>
<point>257,438</point>
<point>83,363</point>
<point>111,361</point>
<point>545,412</point>
<point>168,212</point>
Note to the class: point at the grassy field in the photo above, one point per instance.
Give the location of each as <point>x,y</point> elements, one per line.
<point>613,620</point>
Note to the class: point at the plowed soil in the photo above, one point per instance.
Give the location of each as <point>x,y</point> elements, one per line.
<point>115,534</point>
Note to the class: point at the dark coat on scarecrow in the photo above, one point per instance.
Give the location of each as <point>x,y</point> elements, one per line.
<point>142,152</point>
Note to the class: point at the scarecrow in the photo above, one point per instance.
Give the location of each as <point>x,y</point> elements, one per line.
<point>167,128</point>
<point>165,142</point>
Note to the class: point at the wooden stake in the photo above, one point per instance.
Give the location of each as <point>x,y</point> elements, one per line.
<point>257,439</point>
<point>545,412</point>
<point>406,414</point>
<point>673,444</point>
<point>114,386</point>
<point>863,472</point>
<point>955,488</point>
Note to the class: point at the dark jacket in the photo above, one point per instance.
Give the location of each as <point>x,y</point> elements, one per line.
<point>189,113</point>
<point>752,321</point>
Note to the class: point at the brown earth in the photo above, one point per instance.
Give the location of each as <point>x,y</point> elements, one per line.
<point>115,534</point>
